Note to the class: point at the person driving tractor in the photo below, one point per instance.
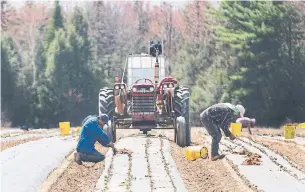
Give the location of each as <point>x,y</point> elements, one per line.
<point>219,116</point>
<point>92,131</point>
<point>154,48</point>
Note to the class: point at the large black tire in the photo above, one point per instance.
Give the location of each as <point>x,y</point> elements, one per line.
<point>106,102</point>
<point>181,131</point>
<point>181,107</point>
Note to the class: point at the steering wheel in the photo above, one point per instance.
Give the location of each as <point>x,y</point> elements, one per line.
<point>144,80</point>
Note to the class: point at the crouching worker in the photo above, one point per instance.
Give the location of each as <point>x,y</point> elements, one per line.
<point>220,116</point>
<point>246,123</point>
<point>92,131</point>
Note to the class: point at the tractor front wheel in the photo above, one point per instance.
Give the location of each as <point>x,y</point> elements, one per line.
<point>181,107</point>
<point>181,132</point>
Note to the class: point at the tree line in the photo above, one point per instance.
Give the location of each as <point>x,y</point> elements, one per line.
<point>55,60</point>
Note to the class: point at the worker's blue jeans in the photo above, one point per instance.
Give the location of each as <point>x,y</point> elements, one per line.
<point>94,157</point>
<point>214,132</point>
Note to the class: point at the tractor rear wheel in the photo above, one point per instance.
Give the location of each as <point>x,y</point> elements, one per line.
<point>107,106</point>
<point>106,102</point>
<point>181,107</point>
<point>181,131</point>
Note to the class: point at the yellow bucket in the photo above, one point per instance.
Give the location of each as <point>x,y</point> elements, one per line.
<point>289,131</point>
<point>64,128</point>
<point>195,152</point>
<point>301,125</point>
<point>236,129</point>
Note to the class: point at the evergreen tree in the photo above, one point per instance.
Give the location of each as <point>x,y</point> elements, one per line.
<point>10,62</point>
<point>80,72</point>
<point>55,24</point>
<point>261,78</point>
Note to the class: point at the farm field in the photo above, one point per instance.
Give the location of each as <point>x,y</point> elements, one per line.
<point>153,162</point>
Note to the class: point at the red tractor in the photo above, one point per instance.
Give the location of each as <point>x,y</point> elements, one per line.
<point>143,104</point>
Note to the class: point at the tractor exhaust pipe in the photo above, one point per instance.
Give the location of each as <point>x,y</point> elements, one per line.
<point>156,73</point>
<point>157,69</point>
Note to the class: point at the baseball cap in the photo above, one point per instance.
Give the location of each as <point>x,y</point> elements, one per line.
<point>104,117</point>
<point>238,109</point>
<point>241,110</point>
<point>232,107</point>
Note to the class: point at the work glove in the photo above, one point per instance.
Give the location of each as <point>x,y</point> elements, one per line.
<point>114,150</point>
<point>232,137</point>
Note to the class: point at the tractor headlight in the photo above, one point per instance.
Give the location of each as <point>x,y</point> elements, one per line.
<point>134,89</point>
<point>165,85</point>
<point>171,85</point>
<point>151,89</point>
<point>122,87</point>
<point>117,87</point>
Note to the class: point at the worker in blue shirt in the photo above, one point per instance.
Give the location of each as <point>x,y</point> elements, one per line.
<point>92,131</point>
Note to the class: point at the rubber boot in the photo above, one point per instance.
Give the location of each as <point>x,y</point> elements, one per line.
<point>77,159</point>
<point>217,157</point>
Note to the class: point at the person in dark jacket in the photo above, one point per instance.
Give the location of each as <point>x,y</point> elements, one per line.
<point>152,50</point>
<point>92,131</point>
<point>159,47</point>
<point>220,116</point>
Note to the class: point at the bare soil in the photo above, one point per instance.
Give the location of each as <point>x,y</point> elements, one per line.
<point>300,132</point>
<point>204,174</point>
<point>79,177</point>
<point>82,178</point>
<point>199,175</point>
<point>9,144</point>
<point>7,132</point>
<point>290,150</point>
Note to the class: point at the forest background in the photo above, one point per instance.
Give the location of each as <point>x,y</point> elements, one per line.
<point>55,57</point>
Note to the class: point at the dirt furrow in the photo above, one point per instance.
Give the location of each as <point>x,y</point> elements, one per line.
<point>148,143</point>
<point>9,144</point>
<point>268,175</point>
<point>129,179</point>
<point>173,171</point>
<point>166,165</point>
<point>204,174</point>
<point>244,183</point>
<point>227,148</point>
<point>145,168</point>
<point>231,147</point>
<point>299,141</point>
<point>108,175</point>
<point>160,179</point>
<point>286,149</point>
<point>282,162</point>
<point>17,133</point>
<point>79,178</point>
<point>243,178</point>
<point>272,158</point>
